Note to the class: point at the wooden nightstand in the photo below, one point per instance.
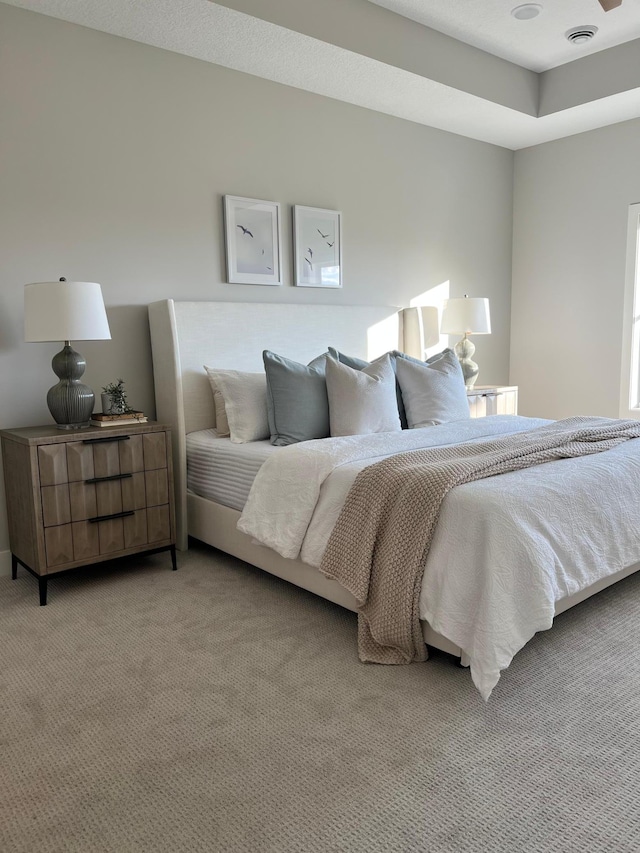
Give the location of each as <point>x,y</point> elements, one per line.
<point>78,497</point>
<point>493,400</point>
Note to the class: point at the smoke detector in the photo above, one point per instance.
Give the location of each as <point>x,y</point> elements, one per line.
<point>527,11</point>
<point>581,35</point>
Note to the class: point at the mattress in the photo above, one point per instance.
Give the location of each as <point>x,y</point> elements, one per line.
<point>222,471</point>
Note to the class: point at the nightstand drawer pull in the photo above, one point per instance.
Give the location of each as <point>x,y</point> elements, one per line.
<point>106,438</point>
<point>107,479</point>
<point>110,517</point>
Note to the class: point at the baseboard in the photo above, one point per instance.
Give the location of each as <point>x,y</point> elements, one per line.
<point>5,564</point>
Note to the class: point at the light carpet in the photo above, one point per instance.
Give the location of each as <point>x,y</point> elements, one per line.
<point>219,709</point>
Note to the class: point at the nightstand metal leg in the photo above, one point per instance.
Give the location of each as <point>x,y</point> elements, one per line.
<point>173,558</point>
<point>42,586</point>
<point>14,567</point>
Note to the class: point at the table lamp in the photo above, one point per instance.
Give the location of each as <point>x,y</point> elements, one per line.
<point>65,311</point>
<point>466,316</point>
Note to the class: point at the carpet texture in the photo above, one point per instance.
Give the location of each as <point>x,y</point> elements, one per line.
<point>219,709</point>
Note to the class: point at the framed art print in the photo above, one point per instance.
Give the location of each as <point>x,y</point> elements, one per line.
<point>317,240</point>
<point>252,236</point>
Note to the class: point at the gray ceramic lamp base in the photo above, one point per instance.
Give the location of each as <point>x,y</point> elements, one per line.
<point>464,349</point>
<point>70,401</point>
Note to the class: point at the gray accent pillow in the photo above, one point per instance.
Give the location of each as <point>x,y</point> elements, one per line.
<point>433,392</point>
<point>362,401</point>
<point>297,404</point>
<point>359,364</point>
<point>349,360</point>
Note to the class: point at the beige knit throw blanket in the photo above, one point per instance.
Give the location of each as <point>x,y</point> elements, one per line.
<point>379,545</point>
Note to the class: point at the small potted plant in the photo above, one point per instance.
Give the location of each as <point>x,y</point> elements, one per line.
<point>114,399</point>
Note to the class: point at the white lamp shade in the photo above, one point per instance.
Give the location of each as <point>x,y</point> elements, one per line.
<point>65,311</point>
<point>466,316</point>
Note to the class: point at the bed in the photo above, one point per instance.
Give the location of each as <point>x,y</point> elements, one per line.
<point>187,335</point>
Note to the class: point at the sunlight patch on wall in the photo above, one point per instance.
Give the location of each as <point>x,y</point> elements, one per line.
<point>434,296</point>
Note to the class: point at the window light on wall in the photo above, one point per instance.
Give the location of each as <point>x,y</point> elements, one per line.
<point>630,379</point>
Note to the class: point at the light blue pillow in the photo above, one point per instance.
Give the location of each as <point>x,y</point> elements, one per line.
<point>360,364</point>
<point>349,360</point>
<point>434,392</point>
<point>362,401</point>
<point>297,403</point>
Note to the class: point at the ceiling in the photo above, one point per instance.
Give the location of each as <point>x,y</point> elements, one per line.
<point>457,65</point>
<point>537,44</point>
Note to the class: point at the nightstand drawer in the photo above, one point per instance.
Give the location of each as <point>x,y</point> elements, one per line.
<point>155,450</point>
<point>111,535</point>
<point>77,461</point>
<point>100,538</point>
<point>86,540</point>
<point>82,540</point>
<point>84,503</point>
<point>59,545</point>
<point>68,543</point>
<point>158,523</point>
<point>106,458</point>
<point>52,461</point>
<point>134,493</point>
<point>156,487</point>
<point>135,529</point>
<point>56,507</point>
<point>131,455</point>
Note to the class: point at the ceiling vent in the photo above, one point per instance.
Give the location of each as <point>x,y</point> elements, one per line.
<point>581,35</point>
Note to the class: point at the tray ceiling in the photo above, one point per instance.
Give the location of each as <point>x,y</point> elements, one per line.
<point>366,54</point>
<point>539,43</point>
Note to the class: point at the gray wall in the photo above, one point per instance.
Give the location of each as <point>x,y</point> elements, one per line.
<point>571,203</point>
<point>114,157</point>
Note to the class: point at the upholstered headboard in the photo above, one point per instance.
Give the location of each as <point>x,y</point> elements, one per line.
<point>232,335</point>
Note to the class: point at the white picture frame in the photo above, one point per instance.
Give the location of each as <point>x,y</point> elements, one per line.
<point>317,241</point>
<point>253,240</point>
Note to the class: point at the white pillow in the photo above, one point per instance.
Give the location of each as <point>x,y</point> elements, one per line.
<point>433,393</point>
<point>245,403</point>
<point>362,401</point>
<point>222,422</point>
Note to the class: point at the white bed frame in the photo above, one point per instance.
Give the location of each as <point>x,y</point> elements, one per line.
<point>228,335</point>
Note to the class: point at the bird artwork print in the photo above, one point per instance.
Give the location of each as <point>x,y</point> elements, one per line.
<point>317,241</point>
<point>245,230</point>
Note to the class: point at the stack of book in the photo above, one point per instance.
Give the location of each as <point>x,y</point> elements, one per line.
<point>101,420</point>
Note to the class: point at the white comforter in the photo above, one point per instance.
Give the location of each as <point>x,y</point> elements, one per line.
<point>506,548</point>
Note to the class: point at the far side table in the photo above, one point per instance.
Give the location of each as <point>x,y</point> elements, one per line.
<point>487,400</point>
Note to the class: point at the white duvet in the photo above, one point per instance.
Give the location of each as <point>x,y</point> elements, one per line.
<point>506,548</point>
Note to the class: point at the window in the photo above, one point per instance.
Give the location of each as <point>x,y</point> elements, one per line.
<point>630,384</point>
